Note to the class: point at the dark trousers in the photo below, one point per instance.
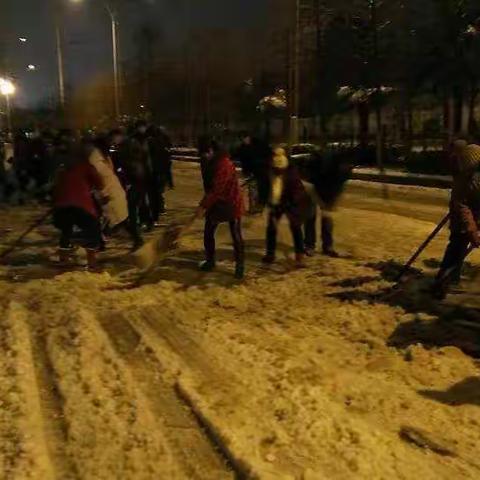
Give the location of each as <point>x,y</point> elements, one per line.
<point>156,197</point>
<point>254,203</point>
<point>272,229</point>
<point>327,232</point>
<point>67,218</point>
<point>134,202</point>
<point>236,233</point>
<point>145,212</point>
<point>169,179</point>
<point>451,267</point>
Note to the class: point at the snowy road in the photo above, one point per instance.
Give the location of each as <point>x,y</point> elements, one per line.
<point>315,374</point>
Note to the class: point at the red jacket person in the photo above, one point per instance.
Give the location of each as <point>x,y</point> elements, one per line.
<point>74,206</point>
<point>222,203</point>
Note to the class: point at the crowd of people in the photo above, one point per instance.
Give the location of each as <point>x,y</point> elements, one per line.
<point>101,184</point>
<point>275,182</point>
<point>97,184</point>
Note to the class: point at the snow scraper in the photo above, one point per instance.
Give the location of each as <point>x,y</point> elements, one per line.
<point>146,257</point>
<point>422,247</point>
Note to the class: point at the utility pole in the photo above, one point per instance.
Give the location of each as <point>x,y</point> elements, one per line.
<point>294,133</point>
<point>60,65</point>
<point>56,5</point>
<point>320,18</point>
<point>376,69</point>
<point>116,75</point>
<point>189,88</point>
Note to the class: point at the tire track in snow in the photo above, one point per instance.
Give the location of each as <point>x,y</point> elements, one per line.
<point>162,335</point>
<point>189,444</point>
<point>51,404</point>
<point>21,404</point>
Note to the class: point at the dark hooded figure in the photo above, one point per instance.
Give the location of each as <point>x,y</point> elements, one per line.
<point>254,156</point>
<point>141,169</point>
<point>161,162</point>
<point>328,174</point>
<point>123,154</point>
<point>39,164</point>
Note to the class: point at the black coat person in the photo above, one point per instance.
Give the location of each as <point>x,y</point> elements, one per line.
<point>328,174</point>
<point>254,157</point>
<point>128,165</point>
<point>39,161</point>
<point>161,161</point>
<point>141,167</point>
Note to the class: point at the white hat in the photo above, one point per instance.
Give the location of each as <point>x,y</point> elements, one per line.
<point>280,159</point>
<point>469,158</point>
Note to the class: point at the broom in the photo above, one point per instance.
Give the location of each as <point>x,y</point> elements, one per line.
<point>40,221</point>
<point>156,249</point>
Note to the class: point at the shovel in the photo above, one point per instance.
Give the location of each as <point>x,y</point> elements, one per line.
<point>422,247</point>
<point>29,230</point>
<point>156,249</point>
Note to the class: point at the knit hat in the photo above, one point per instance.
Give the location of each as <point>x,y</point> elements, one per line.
<point>280,159</point>
<point>469,158</point>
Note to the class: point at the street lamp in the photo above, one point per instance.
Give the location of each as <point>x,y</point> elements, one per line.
<point>116,79</point>
<point>116,75</point>
<point>7,88</point>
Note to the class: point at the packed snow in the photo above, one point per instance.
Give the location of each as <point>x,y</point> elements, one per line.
<point>321,373</point>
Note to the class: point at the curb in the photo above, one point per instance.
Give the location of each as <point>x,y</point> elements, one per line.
<point>405,179</point>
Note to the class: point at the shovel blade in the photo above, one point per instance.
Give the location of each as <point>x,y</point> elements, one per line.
<point>146,257</point>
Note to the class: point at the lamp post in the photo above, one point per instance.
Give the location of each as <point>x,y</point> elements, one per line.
<point>116,76</point>
<point>116,72</point>
<point>295,95</point>
<point>60,65</point>
<point>7,89</point>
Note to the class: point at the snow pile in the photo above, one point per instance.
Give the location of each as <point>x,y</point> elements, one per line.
<point>311,374</point>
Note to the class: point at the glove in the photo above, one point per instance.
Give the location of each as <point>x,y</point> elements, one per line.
<point>200,212</point>
<point>475,238</point>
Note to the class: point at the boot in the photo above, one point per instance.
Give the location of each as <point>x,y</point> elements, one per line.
<point>268,259</point>
<point>330,252</point>
<point>66,255</point>
<point>207,266</point>
<point>240,271</point>
<point>92,265</point>
<point>300,260</point>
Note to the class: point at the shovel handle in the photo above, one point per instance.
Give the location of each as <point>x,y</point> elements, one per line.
<point>30,229</point>
<point>422,247</point>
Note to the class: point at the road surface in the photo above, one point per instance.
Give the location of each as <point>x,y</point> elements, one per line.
<point>312,374</point>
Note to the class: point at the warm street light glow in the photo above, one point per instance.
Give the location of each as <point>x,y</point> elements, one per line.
<point>7,88</point>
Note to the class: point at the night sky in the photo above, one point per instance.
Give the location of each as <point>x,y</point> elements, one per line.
<point>87,35</point>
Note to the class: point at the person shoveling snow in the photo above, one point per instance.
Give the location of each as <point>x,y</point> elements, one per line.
<point>464,215</point>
